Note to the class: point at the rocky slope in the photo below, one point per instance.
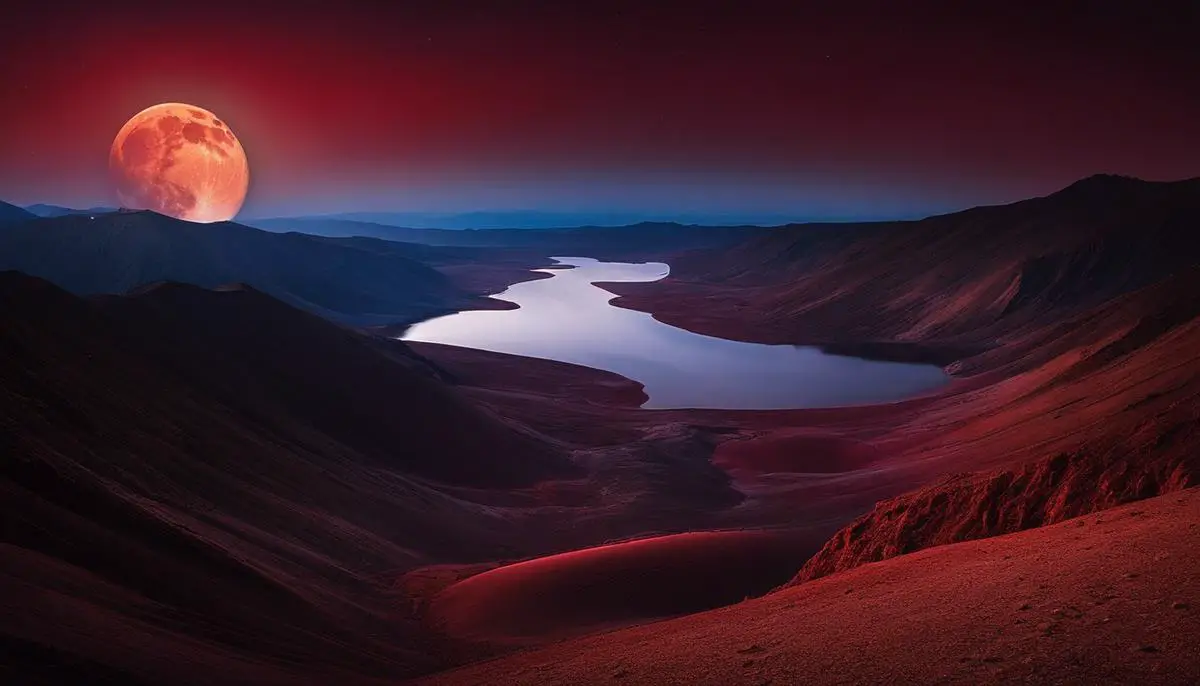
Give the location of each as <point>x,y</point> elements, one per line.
<point>1107,598</point>
<point>1099,410</point>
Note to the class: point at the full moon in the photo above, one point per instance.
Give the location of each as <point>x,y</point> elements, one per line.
<point>180,160</point>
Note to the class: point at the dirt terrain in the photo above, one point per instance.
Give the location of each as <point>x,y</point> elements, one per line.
<point>1110,597</point>
<point>262,496</point>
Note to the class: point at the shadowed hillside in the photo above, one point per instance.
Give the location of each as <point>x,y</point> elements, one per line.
<point>184,486</point>
<point>11,214</point>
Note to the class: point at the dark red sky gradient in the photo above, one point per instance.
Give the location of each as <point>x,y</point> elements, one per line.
<point>810,108</point>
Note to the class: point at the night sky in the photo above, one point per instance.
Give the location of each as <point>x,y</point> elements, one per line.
<point>820,110</point>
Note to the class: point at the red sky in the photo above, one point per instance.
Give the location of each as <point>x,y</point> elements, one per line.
<point>822,109</point>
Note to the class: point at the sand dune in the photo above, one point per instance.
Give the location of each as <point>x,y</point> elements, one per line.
<point>609,586</point>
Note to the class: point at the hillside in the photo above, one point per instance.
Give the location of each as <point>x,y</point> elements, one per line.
<point>11,214</point>
<point>357,509</point>
<point>204,483</point>
<point>113,253</point>
<point>1107,598</point>
<point>940,288</point>
<point>184,486</point>
<point>605,587</point>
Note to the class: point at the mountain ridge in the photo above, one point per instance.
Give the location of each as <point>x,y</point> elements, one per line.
<point>113,253</point>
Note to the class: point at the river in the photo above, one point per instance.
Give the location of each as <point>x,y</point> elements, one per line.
<point>568,318</point>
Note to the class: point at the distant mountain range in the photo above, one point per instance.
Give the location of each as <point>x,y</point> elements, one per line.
<point>502,219</point>
<point>356,273</point>
<point>635,241</point>
<point>534,219</point>
<point>44,210</point>
<point>966,277</point>
<point>116,252</point>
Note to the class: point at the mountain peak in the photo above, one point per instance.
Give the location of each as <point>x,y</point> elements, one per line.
<point>11,214</point>
<point>1105,182</point>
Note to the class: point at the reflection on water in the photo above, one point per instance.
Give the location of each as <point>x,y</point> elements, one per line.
<point>566,318</point>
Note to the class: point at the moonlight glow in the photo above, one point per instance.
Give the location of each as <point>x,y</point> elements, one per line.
<point>180,160</point>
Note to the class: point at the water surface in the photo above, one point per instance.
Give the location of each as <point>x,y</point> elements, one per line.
<point>567,318</point>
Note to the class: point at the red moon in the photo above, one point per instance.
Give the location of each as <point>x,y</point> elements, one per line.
<point>180,160</point>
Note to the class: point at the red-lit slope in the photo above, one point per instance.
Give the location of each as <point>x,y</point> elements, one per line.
<point>939,288</point>
<point>614,585</point>
<point>1107,415</point>
<point>1108,598</point>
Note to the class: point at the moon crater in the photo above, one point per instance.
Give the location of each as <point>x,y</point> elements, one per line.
<point>170,159</point>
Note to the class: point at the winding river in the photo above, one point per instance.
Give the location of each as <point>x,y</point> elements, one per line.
<point>569,319</point>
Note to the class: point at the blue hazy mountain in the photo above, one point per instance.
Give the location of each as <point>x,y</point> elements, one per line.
<point>45,210</point>
<point>11,214</point>
<point>120,251</point>
<point>536,219</point>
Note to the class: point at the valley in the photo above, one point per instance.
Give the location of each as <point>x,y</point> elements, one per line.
<point>237,463</point>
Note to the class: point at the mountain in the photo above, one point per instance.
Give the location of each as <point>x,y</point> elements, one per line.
<point>44,210</point>
<point>534,219</point>
<point>11,214</point>
<point>637,241</point>
<point>1130,370</point>
<point>112,253</point>
<point>1071,323</point>
<point>212,482</point>
<point>947,285</point>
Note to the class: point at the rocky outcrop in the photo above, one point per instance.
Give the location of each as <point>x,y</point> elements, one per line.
<point>972,506</point>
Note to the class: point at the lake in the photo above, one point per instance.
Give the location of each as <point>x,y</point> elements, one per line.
<point>569,319</point>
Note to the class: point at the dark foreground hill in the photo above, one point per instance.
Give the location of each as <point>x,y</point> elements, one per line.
<point>11,214</point>
<point>212,486</point>
<point>217,479</point>
<point>115,252</point>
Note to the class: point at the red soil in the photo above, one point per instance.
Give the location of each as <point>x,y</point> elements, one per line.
<point>795,450</point>
<point>614,585</point>
<point>1108,598</point>
<point>971,506</point>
